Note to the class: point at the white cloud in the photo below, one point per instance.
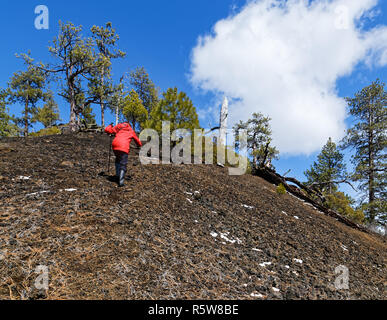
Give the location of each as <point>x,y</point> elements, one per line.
<point>283,58</point>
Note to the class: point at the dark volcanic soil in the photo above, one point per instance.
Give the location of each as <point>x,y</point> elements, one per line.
<point>156,239</point>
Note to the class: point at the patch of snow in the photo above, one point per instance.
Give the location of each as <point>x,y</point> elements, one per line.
<point>256,295</point>
<point>287,267</point>
<point>37,193</point>
<point>214,234</point>
<point>189,193</point>
<point>265,264</point>
<point>196,221</point>
<point>276,289</point>
<point>284,213</point>
<point>344,247</point>
<point>247,207</point>
<point>24,178</point>
<point>298,261</point>
<point>255,249</point>
<point>68,190</point>
<point>297,218</point>
<point>224,236</point>
<point>245,285</point>
<point>296,273</point>
<point>189,200</point>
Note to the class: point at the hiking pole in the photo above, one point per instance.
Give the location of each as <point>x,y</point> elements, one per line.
<point>110,153</point>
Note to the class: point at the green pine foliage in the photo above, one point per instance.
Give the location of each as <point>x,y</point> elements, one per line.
<point>328,170</point>
<point>258,139</point>
<point>76,62</point>
<point>27,89</point>
<point>8,127</point>
<point>116,100</point>
<point>134,111</point>
<point>368,138</point>
<point>145,88</point>
<point>47,115</point>
<point>343,204</point>
<point>51,131</point>
<point>281,189</point>
<point>177,108</point>
<point>101,86</point>
<point>88,116</point>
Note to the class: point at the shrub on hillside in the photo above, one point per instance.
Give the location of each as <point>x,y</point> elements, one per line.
<point>342,204</point>
<point>46,132</point>
<point>281,189</point>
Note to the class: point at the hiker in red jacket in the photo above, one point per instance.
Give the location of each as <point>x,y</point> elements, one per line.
<point>121,146</point>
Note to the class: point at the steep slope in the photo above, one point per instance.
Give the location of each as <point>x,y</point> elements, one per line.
<point>157,239</point>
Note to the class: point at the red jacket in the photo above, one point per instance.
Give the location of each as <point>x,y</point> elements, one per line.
<point>124,135</point>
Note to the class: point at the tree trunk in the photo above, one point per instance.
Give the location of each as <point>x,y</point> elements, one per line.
<point>116,115</point>
<point>371,178</point>
<point>102,114</point>
<point>102,103</point>
<point>255,158</point>
<point>371,191</point>
<point>26,118</point>
<point>273,177</point>
<point>223,122</point>
<point>73,115</point>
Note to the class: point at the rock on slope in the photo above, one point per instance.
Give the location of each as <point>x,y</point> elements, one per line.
<point>156,239</point>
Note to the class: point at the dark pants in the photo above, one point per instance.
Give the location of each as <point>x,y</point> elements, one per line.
<point>121,161</point>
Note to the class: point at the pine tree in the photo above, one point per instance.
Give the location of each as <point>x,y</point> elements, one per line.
<point>368,137</point>
<point>48,115</point>
<point>116,100</point>
<point>134,111</point>
<point>77,62</point>
<point>27,88</point>
<point>258,139</point>
<point>145,88</point>
<point>176,108</point>
<point>8,128</point>
<point>329,170</point>
<point>88,116</point>
<point>101,85</point>
<point>344,205</point>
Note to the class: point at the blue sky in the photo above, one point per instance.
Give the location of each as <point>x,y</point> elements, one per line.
<point>161,36</point>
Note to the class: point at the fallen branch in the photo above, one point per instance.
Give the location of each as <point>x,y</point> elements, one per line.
<point>273,177</point>
<point>213,129</point>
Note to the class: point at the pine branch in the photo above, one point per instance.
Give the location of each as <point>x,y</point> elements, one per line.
<point>333,182</point>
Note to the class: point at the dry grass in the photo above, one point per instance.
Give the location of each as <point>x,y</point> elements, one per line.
<point>152,239</point>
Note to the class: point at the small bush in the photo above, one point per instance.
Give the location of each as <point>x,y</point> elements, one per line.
<point>46,132</point>
<point>281,189</point>
<point>342,204</point>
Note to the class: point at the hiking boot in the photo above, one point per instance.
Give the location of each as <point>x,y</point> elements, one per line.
<point>121,180</point>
